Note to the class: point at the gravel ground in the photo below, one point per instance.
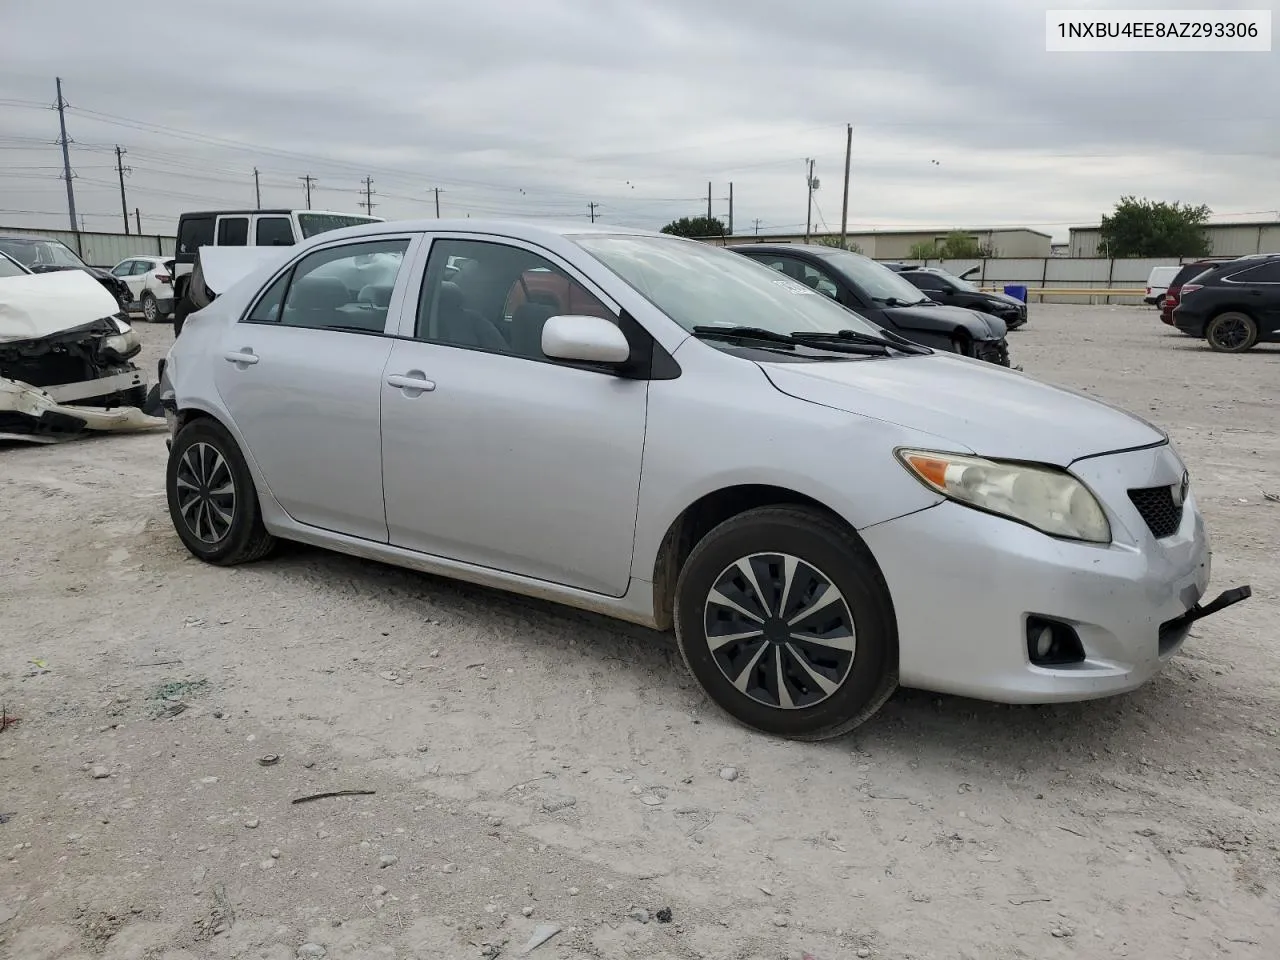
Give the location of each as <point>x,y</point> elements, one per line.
<point>533,765</point>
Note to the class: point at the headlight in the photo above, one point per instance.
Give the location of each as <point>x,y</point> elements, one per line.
<point>123,342</point>
<point>1048,499</point>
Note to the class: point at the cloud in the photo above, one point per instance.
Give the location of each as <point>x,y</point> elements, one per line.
<point>960,116</point>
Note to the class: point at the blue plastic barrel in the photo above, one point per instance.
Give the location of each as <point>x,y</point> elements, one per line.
<point>1016,290</point>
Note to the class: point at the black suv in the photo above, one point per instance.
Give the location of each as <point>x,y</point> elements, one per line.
<point>879,294</point>
<point>955,292</point>
<point>1233,305</point>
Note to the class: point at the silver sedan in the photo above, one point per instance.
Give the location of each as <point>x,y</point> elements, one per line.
<point>668,433</point>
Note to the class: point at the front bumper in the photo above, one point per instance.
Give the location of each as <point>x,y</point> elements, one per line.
<point>964,584</point>
<point>101,387</point>
<point>992,351</point>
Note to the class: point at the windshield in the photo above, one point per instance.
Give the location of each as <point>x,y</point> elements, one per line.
<point>699,285</point>
<point>8,268</point>
<point>874,279</point>
<point>960,282</point>
<point>313,223</point>
<point>40,253</point>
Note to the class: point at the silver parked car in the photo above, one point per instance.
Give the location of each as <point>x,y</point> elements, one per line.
<point>669,433</point>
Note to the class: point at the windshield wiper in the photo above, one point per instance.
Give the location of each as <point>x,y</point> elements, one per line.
<point>899,302</point>
<point>860,343</point>
<point>854,336</point>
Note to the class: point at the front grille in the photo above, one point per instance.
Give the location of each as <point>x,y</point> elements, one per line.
<point>993,351</point>
<point>1158,509</point>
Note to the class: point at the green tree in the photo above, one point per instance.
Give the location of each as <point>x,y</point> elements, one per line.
<point>1145,228</point>
<point>924,250</point>
<point>697,227</point>
<point>829,241</point>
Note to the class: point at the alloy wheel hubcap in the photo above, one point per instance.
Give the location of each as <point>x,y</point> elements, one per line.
<point>149,309</point>
<point>1232,333</point>
<point>779,630</point>
<point>206,493</point>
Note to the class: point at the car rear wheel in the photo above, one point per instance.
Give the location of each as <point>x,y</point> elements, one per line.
<point>212,499</point>
<point>1231,332</point>
<point>784,619</point>
<point>150,308</point>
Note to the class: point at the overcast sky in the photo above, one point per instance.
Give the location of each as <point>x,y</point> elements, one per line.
<point>537,109</point>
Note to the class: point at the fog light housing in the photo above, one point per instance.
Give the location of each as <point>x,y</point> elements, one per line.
<point>1052,643</point>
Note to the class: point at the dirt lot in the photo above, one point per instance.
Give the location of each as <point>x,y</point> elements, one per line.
<point>531,760</point>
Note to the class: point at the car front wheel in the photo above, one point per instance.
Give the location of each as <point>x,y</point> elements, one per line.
<point>1231,332</point>
<point>212,499</point>
<point>783,617</point>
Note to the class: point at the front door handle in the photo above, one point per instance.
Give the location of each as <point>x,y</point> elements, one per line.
<point>243,357</point>
<point>413,383</point>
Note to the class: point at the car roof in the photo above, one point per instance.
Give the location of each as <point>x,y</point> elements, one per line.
<point>275,211</point>
<point>516,229</point>
<point>29,237</point>
<point>816,249</point>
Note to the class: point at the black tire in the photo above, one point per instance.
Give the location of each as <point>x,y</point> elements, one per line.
<point>214,463</point>
<point>823,547</point>
<point>1231,332</point>
<point>150,308</point>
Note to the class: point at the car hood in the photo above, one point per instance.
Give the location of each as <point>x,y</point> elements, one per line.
<point>42,304</point>
<point>980,326</point>
<point>1003,298</point>
<point>990,410</point>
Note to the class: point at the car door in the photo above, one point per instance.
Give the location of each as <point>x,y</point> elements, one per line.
<point>140,279</point>
<point>125,271</point>
<point>301,375</point>
<point>494,454</point>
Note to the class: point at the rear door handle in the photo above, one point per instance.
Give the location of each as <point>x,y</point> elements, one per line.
<point>412,383</point>
<point>245,356</point>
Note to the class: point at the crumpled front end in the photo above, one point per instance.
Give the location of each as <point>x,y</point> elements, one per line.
<point>66,360</point>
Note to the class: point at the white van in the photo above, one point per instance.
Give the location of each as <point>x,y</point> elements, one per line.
<point>1158,283</point>
<point>250,228</point>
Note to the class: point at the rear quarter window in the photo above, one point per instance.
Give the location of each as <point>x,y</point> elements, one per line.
<point>193,233</point>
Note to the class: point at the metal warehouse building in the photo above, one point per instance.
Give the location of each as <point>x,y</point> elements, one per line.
<point>897,244</point>
<point>1225,239</point>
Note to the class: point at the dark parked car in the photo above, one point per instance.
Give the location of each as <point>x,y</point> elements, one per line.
<point>44,255</point>
<point>1185,274</point>
<point>880,295</point>
<point>951,290</point>
<point>1233,305</point>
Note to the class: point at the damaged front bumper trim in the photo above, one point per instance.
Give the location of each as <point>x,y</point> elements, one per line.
<point>1176,629</point>
<point>101,387</point>
<point>27,411</point>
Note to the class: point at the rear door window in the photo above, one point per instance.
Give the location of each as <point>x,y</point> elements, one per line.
<point>233,231</point>
<point>273,232</point>
<point>1263,273</point>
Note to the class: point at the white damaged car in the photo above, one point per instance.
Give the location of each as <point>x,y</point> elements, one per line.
<point>66,358</point>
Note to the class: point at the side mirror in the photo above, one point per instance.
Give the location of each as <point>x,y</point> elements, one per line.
<point>586,339</point>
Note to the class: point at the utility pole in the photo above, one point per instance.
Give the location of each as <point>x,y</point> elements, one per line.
<point>367,202</point>
<point>757,223</point>
<point>257,191</point>
<point>137,219</point>
<point>593,206</point>
<point>120,169</point>
<point>308,180</point>
<point>844,210</point>
<point>708,203</point>
<point>731,208</point>
<point>66,157</point>
<point>437,191</point>
<point>812,184</point>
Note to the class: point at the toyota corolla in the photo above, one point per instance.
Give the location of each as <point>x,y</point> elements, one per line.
<point>669,433</point>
